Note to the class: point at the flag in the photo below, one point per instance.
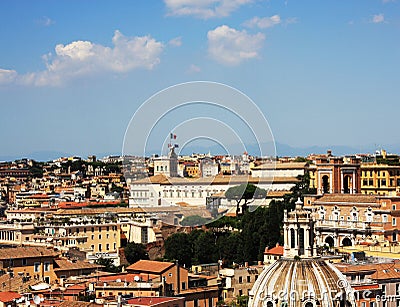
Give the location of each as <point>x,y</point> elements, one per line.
<point>174,136</point>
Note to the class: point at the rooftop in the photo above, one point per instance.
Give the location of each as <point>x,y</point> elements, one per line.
<point>150,266</point>
<point>26,252</point>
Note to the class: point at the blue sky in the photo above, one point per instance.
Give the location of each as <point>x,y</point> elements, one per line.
<point>73,73</point>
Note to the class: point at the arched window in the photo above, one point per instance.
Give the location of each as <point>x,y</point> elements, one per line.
<point>270,304</point>
<point>309,304</point>
<point>325,184</point>
<point>301,241</point>
<point>292,239</point>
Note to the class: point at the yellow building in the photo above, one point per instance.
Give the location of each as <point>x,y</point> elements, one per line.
<point>380,179</point>
<point>31,262</point>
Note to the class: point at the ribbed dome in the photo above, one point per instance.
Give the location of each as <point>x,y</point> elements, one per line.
<point>300,278</point>
<point>303,283</point>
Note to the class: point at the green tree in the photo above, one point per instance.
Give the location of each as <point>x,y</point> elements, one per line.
<point>193,220</point>
<point>179,247</point>
<point>204,248</point>
<point>108,265</point>
<point>245,193</point>
<point>135,252</point>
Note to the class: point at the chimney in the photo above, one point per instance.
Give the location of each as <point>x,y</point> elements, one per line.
<point>246,264</point>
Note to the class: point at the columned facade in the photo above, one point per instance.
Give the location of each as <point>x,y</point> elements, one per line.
<point>299,234</point>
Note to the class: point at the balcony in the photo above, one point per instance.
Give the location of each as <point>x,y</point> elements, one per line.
<point>349,225</point>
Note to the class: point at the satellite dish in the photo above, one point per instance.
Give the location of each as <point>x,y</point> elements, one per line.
<point>136,278</point>
<point>36,299</point>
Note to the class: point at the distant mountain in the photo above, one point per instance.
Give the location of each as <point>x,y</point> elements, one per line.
<point>44,155</point>
<point>281,150</point>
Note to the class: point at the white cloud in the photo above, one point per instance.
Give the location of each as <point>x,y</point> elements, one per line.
<point>230,46</point>
<point>7,76</point>
<point>46,21</point>
<point>194,69</point>
<point>263,23</point>
<point>84,58</point>
<point>175,42</point>
<point>379,18</point>
<point>203,8</point>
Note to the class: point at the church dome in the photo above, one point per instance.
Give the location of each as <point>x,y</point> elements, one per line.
<point>301,278</point>
<point>302,282</point>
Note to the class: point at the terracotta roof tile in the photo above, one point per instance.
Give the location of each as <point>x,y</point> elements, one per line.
<point>64,264</point>
<point>347,198</point>
<point>77,304</point>
<point>26,252</point>
<point>151,301</point>
<point>8,296</point>
<point>150,266</point>
<point>277,250</point>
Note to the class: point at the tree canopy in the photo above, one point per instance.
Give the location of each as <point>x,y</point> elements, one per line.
<point>135,252</point>
<point>245,193</point>
<point>236,239</point>
<point>194,220</point>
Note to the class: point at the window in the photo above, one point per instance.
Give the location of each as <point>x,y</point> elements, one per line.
<point>99,247</point>
<point>363,304</point>
<point>36,266</point>
<point>24,261</point>
<point>394,207</point>
<point>47,279</point>
<point>371,304</point>
<point>99,236</point>
<point>184,286</point>
<point>248,278</point>
<point>92,229</point>
<point>397,289</point>
<point>240,279</point>
<point>47,266</point>
<point>107,246</point>
<point>383,289</point>
<point>393,221</point>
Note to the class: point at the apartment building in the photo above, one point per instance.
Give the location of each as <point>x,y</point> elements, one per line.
<point>33,262</point>
<point>380,179</point>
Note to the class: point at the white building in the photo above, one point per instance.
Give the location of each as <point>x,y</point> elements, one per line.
<point>160,190</point>
<point>167,165</point>
<point>279,169</point>
<point>208,167</point>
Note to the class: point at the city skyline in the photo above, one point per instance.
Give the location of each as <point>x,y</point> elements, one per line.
<point>73,74</point>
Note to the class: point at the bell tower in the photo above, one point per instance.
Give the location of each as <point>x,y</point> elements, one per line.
<point>299,233</point>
